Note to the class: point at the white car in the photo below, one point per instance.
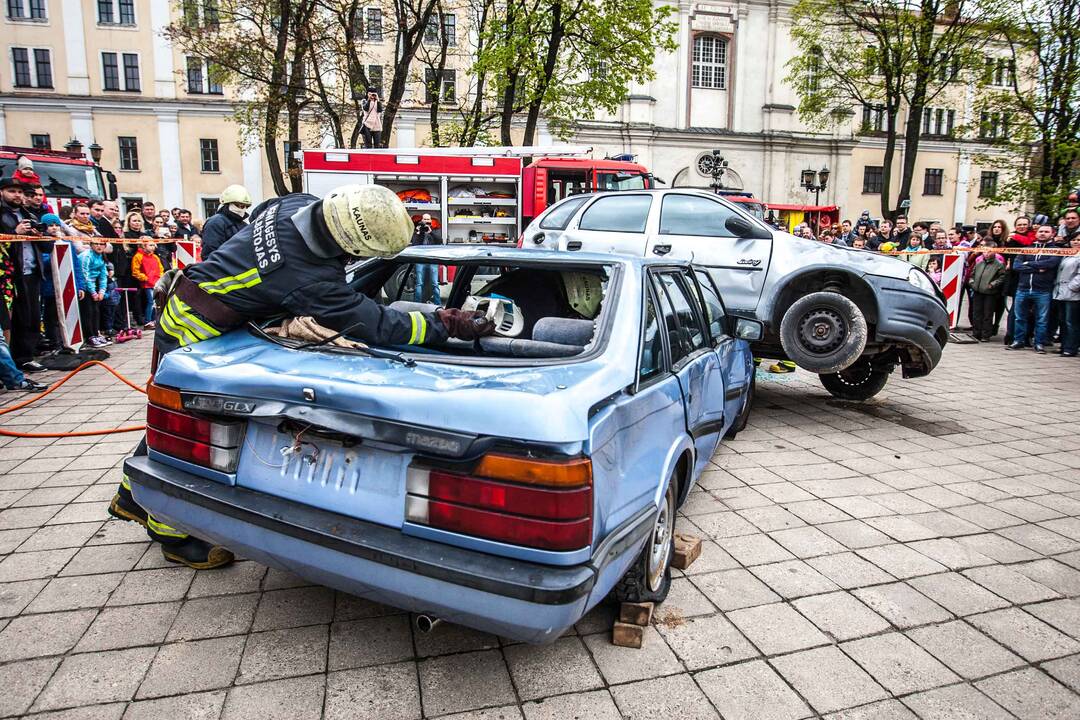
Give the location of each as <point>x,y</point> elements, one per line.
<point>851,316</point>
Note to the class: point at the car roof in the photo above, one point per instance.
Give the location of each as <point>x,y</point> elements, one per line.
<point>463,253</point>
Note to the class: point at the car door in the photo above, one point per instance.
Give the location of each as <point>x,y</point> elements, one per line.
<point>694,227</point>
<point>693,360</point>
<point>735,361</point>
<point>610,224</point>
<point>548,229</point>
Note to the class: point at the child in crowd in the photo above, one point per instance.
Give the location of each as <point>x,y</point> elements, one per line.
<point>933,269</point>
<point>97,278</point>
<point>914,245</point>
<point>987,282</point>
<point>110,322</point>
<point>147,269</point>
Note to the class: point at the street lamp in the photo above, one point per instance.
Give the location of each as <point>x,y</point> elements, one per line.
<point>95,152</point>
<point>715,166</point>
<point>815,182</point>
<point>74,146</point>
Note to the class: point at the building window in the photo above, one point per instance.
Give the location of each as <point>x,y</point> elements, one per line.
<point>873,118</point>
<point>813,72</point>
<point>131,72</point>
<point>110,71</point>
<point>375,77</point>
<point>200,14</point>
<point>200,78</point>
<point>116,12</point>
<point>993,125</point>
<point>374,24</point>
<point>999,71</point>
<point>43,142</point>
<point>448,85</point>
<point>710,62</point>
<point>449,27</point>
<point>37,76</point>
<point>208,154</point>
<point>938,121</point>
<point>988,182</point>
<point>931,184</point>
<point>26,10</point>
<point>210,206</point>
<point>129,153</point>
<point>872,180</point>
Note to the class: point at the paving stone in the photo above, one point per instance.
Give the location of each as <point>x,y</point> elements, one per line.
<point>30,565</point>
<point>294,607</point>
<point>828,679</point>
<point>685,600</point>
<point>776,629</point>
<point>111,711</point>
<point>1066,670</point>
<point>22,681</point>
<point>116,532</point>
<point>1052,574</point>
<point>238,578</point>
<point>900,561</point>
<point>723,524</point>
<point>1039,539</point>
<point>103,559</point>
<point>985,516</point>
<point>456,683</point>
<point>674,696</point>
<point>1025,635</point>
<point>754,549</point>
<point>451,638</point>
<point>389,692</point>
<point>805,542</point>
<point>733,589</point>
<point>738,692</point>
<point>902,605</point>
<point>214,617</point>
<point>951,553</point>
<point>1031,695</point>
<point>371,641</point>
<point>349,607</point>
<point>841,615</point>
<point>97,677</point>
<point>561,667</point>
<point>284,653</point>
<point>1009,584</point>
<point>11,539</point>
<point>128,627</point>
<point>279,580</point>
<point>298,698</point>
<point>620,664</point>
<point>1062,614</point>
<point>75,592</point>
<point>15,596</point>
<point>32,517</point>
<point>197,706</point>
<point>192,667</point>
<point>957,593</point>
<point>817,511</point>
<point>146,586</point>
<point>997,548</point>
<point>884,710</point>
<point>52,537</point>
<point>898,663</point>
<point>964,649</point>
<point>848,570</point>
<point>703,642</point>
<point>31,636</point>
<point>596,705</point>
<point>955,702</point>
<point>793,578</point>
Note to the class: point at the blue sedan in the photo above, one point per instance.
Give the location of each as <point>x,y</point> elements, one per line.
<point>508,484</point>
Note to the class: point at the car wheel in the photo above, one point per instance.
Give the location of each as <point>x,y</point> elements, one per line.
<point>649,578</point>
<point>823,332</point>
<point>858,382</point>
<point>744,415</point>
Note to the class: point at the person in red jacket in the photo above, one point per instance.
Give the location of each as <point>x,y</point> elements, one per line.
<point>147,269</point>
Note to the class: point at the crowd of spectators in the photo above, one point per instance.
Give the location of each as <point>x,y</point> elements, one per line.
<point>1037,294</point>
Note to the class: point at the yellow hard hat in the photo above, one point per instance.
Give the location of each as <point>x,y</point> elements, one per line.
<point>235,194</point>
<point>584,292</point>
<point>367,220</point>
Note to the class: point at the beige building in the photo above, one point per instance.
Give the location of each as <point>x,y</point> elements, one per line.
<point>99,70</point>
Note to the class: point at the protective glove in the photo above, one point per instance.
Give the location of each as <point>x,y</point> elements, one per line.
<point>465,325</point>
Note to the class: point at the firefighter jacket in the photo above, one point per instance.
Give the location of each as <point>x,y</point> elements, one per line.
<point>286,263</point>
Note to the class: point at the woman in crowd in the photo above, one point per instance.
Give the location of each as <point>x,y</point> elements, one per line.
<point>1067,293</point>
<point>121,260</point>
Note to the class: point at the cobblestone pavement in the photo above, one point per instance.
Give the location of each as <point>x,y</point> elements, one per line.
<point>917,557</point>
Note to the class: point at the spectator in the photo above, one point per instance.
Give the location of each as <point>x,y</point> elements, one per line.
<point>97,281</point>
<point>146,267</point>
<point>953,238</point>
<point>102,224</point>
<point>864,221</point>
<point>80,221</point>
<point>34,201</point>
<point>1038,275</point>
<point>371,111</point>
<point>902,232</point>
<point>184,229</point>
<point>933,269</point>
<point>110,305</point>
<point>175,214</point>
<point>133,226</point>
<point>24,171</point>
<point>166,247</point>
<point>1023,236</point>
<point>427,275</point>
<point>987,281</point>
<point>998,232</point>
<point>859,243</point>
<point>229,219</point>
<point>1070,224</point>
<point>914,245</point>
<point>149,212</point>
<point>1067,294</point>
<point>27,274</point>
<point>922,230</point>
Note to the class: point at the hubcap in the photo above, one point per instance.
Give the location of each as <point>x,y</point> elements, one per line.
<point>822,331</point>
<point>660,544</point>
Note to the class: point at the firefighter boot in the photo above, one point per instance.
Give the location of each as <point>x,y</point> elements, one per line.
<point>124,507</point>
<point>196,553</point>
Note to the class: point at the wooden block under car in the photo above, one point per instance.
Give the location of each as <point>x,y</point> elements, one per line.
<point>636,613</point>
<point>687,550</point>
<point>627,635</point>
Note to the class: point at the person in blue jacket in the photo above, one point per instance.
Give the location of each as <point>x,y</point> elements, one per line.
<point>97,282</point>
<point>55,337</point>
<point>1037,275</point>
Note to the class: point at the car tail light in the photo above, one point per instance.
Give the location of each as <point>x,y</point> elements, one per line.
<point>536,503</point>
<point>208,442</point>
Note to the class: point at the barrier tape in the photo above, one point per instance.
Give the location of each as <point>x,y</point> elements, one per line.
<point>87,238</point>
<point>998,250</point>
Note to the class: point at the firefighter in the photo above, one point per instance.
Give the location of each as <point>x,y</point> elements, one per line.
<point>291,259</point>
<point>229,219</point>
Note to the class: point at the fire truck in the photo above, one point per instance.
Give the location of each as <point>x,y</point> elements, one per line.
<point>65,176</point>
<point>475,195</point>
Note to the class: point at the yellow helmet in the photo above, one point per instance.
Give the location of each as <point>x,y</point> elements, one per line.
<point>584,292</point>
<point>235,194</point>
<point>367,220</point>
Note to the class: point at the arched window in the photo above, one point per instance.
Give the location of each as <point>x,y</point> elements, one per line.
<point>710,62</point>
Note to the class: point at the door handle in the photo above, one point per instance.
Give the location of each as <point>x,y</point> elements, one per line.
<point>573,245</point>
<point>538,238</point>
<point>661,249</point>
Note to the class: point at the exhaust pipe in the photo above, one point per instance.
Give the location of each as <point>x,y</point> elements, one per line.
<point>427,623</point>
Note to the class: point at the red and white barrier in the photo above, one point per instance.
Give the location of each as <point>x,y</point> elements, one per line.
<point>952,284</point>
<point>67,294</point>
<point>188,252</point>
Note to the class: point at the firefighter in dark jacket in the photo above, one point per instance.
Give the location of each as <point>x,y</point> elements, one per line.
<point>291,259</point>
<point>230,219</point>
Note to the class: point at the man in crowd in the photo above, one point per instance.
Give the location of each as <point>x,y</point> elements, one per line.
<point>34,201</point>
<point>27,270</point>
<point>902,234</point>
<point>184,229</point>
<point>1037,274</point>
<point>426,275</point>
<point>847,234</point>
<point>102,224</point>
<point>230,218</point>
<point>149,211</point>
<point>864,221</point>
<point>1070,225</point>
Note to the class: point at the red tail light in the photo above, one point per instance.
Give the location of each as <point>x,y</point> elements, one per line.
<point>171,431</point>
<point>546,505</point>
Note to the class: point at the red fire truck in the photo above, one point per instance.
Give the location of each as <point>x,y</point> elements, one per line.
<point>65,176</point>
<point>474,195</point>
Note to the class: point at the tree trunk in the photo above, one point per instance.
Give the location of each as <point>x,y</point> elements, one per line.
<point>887,164</point>
<point>407,40</point>
<point>912,127</point>
<point>506,121</point>
<point>551,60</point>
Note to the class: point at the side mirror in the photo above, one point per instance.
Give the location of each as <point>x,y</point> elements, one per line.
<point>113,191</point>
<point>740,227</point>
<point>749,330</point>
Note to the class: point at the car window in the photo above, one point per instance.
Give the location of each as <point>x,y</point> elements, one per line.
<point>714,308</point>
<point>617,213</point>
<point>652,344</point>
<point>560,215</point>
<point>681,314</point>
<point>692,215</point>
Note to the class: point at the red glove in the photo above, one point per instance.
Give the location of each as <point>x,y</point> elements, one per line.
<point>465,325</point>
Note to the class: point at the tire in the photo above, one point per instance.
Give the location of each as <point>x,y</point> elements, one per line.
<point>823,332</point>
<point>744,415</point>
<point>858,382</point>
<point>649,578</point>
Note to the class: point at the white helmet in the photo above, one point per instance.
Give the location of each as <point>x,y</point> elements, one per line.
<point>367,220</point>
<point>235,194</point>
<point>508,318</point>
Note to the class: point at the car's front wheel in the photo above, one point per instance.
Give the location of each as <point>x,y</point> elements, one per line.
<point>649,578</point>
<point>859,382</point>
<point>823,332</point>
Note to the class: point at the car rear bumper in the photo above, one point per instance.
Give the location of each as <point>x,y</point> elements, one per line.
<point>912,317</point>
<point>511,598</point>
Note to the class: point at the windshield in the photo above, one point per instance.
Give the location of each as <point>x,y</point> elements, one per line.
<point>754,208</point>
<point>620,181</point>
<point>62,180</point>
